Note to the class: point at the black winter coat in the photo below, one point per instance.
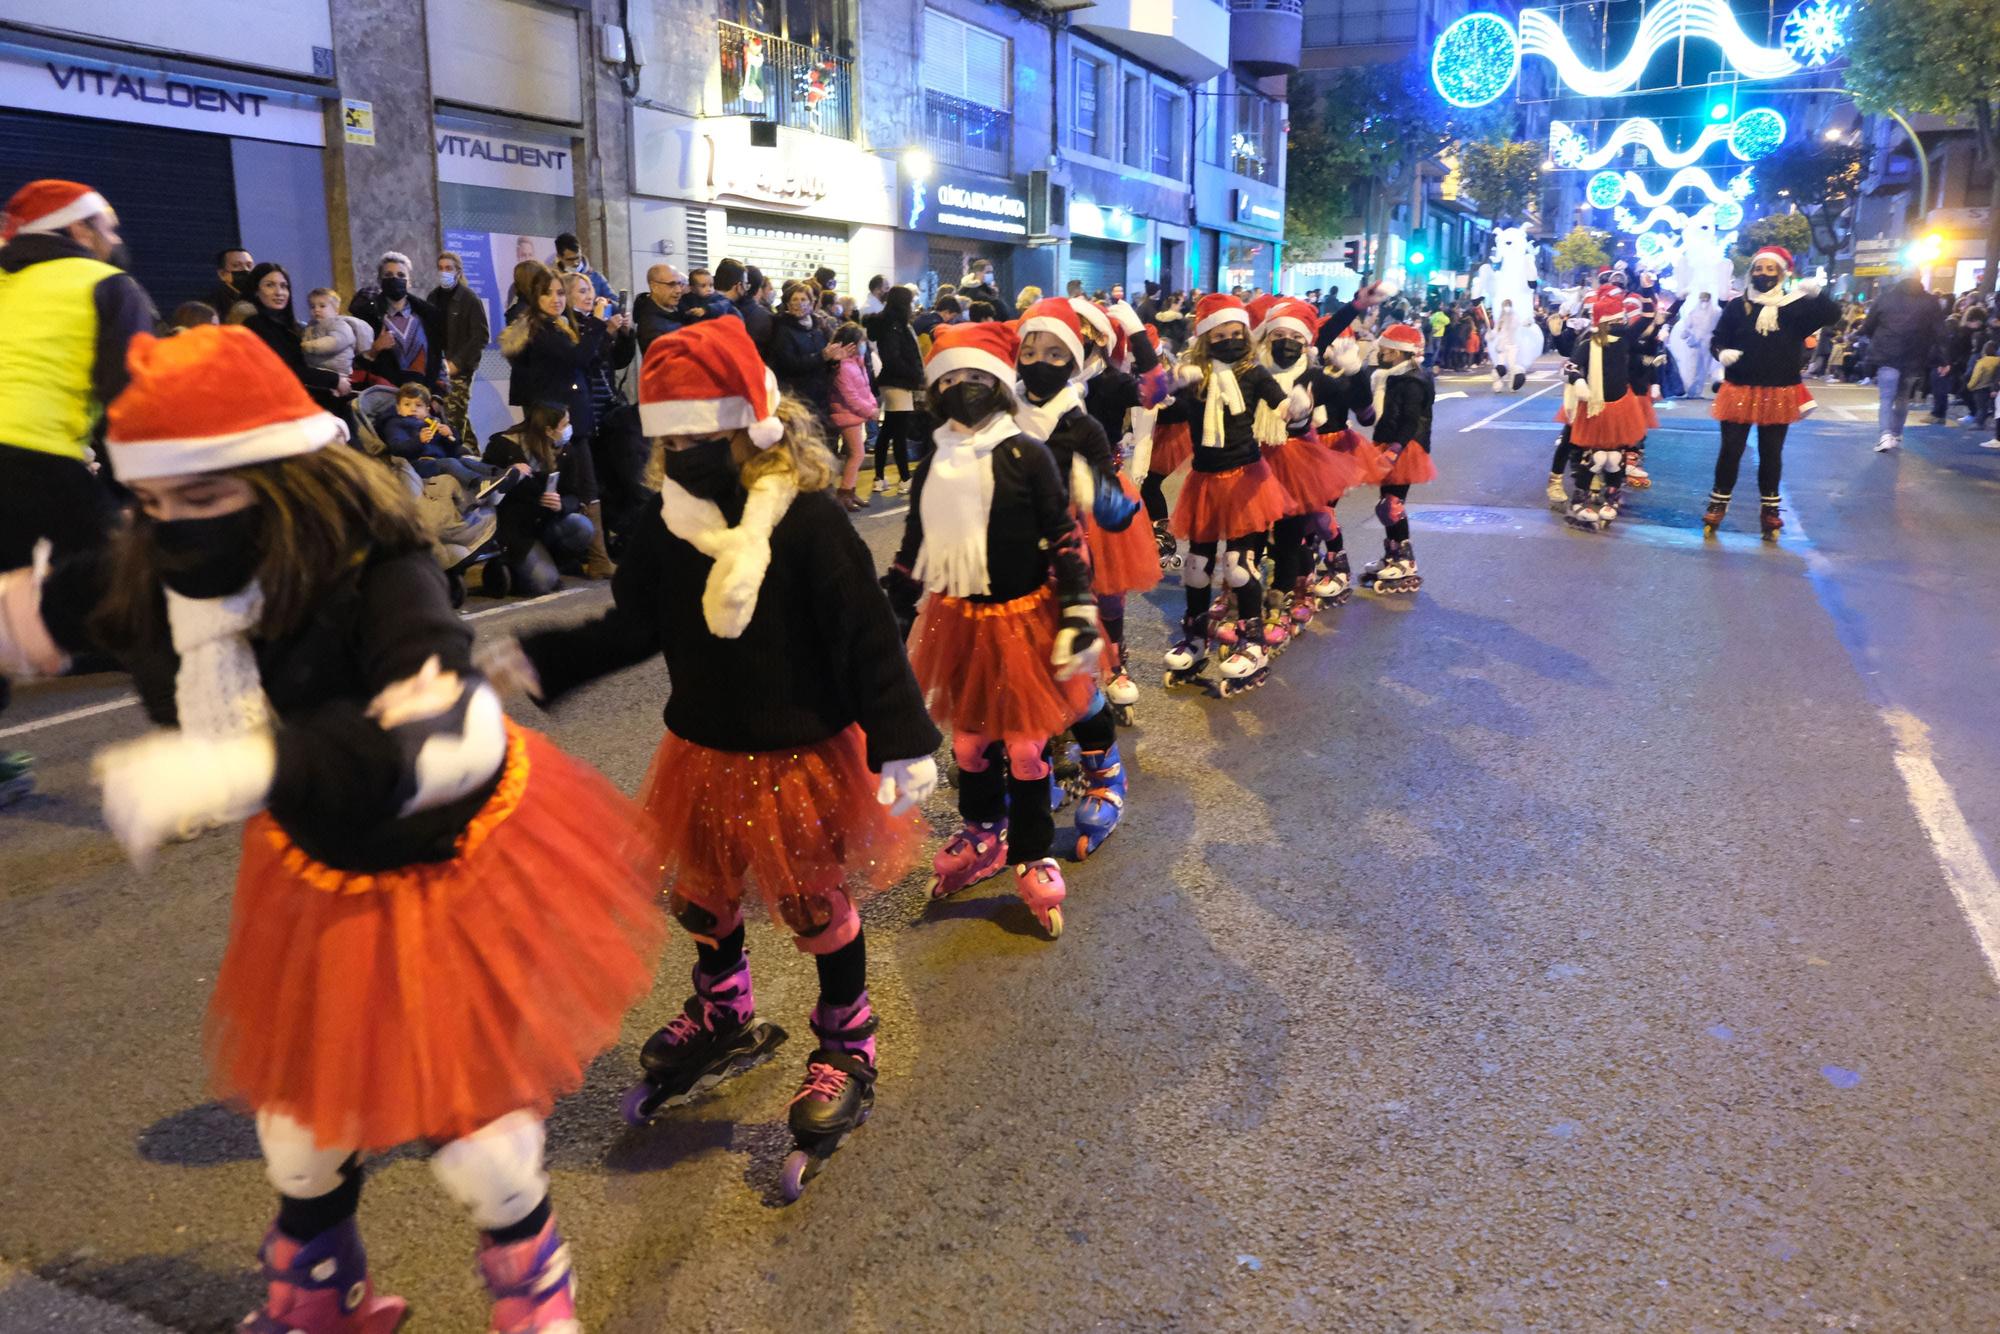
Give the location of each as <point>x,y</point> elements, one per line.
<point>551,367</point>
<point>797,357</point>
<point>1903,328</point>
<point>902,360</point>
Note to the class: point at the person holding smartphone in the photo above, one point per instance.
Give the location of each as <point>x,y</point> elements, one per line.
<point>543,526</point>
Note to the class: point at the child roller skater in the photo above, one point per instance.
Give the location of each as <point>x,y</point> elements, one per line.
<point>1344,390</point>
<point>790,695</point>
<point>1602,413</point>
<point>1403,399</point>
<point>1760,341</point>
<point>1122,381</point>
<point>1006,660</point>
<point>1229,501</point>
<point>440,918</point>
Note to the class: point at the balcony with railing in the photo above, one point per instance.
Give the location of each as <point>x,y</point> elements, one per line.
<point>966,134</point>
<point>1264,35</point>
<point>769,78</point>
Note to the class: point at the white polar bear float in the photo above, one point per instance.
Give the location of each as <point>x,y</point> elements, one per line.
<point>1516,337</point>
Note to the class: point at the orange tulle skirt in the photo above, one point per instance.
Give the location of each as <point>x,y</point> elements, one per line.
<point>1173,445</point>
<point>1127,561</point>
<point>424,1002</point>
<point>1652,417</point>
<point>1621,423</point>
<point>1356,462</point>
<point>1218,506</point>
<point>984,666</point>
<point>1763,405</point>
<point>1305,468</point>
<point>1413,468</point>
<point>780,821</point>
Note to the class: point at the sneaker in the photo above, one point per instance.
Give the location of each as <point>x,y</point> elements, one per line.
<point>1990,444</point>
<point>1968,419</point>
<point>1887,443</point>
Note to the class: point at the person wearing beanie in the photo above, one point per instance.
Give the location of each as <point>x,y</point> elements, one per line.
<point>67,312</point>
<point>1007,644</point>
<point>792,716</point>
<point>1603,414</point>
<point>1119,551</point>
<point>1229,501</point>
<point>1402,403</point>
<point>276,601</point>
<point>1760,341</point>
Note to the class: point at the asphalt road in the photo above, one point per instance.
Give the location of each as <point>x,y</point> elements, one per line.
<point>1583,944</point>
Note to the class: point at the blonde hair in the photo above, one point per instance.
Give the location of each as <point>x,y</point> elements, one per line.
<point>414,390</point>
<point>1026,297</point>
<point>326,292</point>
<point>801,452</point>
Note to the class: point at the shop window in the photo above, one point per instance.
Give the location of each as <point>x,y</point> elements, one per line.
<point>1086,104</point>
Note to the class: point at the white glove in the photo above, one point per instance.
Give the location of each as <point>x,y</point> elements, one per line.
<point>1298,404</point>
<point>167,783</point>
<point>907,784</point>
<point>1078,643</point>
<point>507,665</point>
<point>1125,317</point>
<point>1811,286</point>
<point>1729,356</point>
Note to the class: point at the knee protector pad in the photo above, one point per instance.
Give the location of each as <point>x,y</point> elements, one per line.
<point>1194,574</point>
<point>969,752</point>
<point>1389,509</point>
<point>820,920</point>
<point>295,1165</point>
<point>699,922</point>
<point>1238,572</point>
<point>1028,760</point>
<point>1607,460</point>
<point>496,1171</point>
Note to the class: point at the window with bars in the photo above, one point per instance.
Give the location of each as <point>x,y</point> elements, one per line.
<point>968,82</point>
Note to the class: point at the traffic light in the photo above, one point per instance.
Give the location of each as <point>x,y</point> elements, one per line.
<point>1418,259</point>
<point>1718,111</point>
<point>1350,255</point>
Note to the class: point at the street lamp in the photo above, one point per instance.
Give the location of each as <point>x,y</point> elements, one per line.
<point>918,164</point>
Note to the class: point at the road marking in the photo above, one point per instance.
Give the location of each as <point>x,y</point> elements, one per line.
<point>1455,393</point>
<point>1509,408</point>
<point>888,514</point>
<point>520,606</point>
<point>1966,870</point>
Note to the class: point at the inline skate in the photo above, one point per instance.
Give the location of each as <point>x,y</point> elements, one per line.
<point>837,1094</point>
<point>716,1036</point>
<point>1395,573</point>
<point>975,853</point>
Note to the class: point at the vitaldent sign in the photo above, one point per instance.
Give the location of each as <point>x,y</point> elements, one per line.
<point>504,161</point>
<point>955,204</point>
<point>140,96</point>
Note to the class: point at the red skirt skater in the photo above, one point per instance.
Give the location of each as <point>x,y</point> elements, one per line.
<point>1413,467</point>
<point>1306,469</point>
<point>1218,506</point>
<point>780,821</point>
<point>424,1002</point>
<point>1173,445</point>
<point>1620,424</point>
<point>1762,405</point>
<point>984,667</point>
<point>1127,561</point>
<point>1356,462</point>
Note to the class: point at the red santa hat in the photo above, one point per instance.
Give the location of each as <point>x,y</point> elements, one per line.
<point>50,206</point>
<point>1608,309</point>
<point>990,347</point>
<point>1055,315</point>
<point>210,399</point>
<point>707,379</point>
<point>1289,315</point>
<point>1217,309</point>
<point>1403,338</point>
<point>1089,312</point>
<point>1260,309</point>
<point>1777,252</point>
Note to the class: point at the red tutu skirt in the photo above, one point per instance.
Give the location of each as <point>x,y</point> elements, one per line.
<point>1173,445</point>
<point>425,1002</point>
<point>1216,506</point>
<point>1356,462</point>
<point>1413,467</point>
<point>1652,417</point>
<point>782,821</point>
<point>1121,562</point>
<point>1305,468</point>
<point>1763,405</point>
<point>1621,423</point>
<point>984,666</point>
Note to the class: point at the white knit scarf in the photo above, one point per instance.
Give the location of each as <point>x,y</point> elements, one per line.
<point>741,554</point>
<point>1591,392</point>
<point>1270,425</point>
<point>1381,380</point>
<point>1770,303</point>
<point>957,498</point>
<point>218,691</point>
<point>1224,396</point>
<point>1037,420</point>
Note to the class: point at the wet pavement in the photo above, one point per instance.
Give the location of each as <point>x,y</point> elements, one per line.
<point>1581,944</point>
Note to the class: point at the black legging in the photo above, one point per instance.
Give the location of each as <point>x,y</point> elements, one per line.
<point>1290,555</point>
<point>898,429</point>
<point>1770,458</point>
<point>1398,529</point>
<point>994,793</point>
<point>1559,461</point>
<point>1250,597</point>
<point>1153,492</point>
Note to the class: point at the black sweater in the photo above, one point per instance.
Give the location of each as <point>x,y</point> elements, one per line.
<point>820,653</point>
<point>1239,434</point>
<point>1078,434</point>
<point>1028,529</point>
<point>1406,410</point>
<point>1333,325</point>
<point>1772,360</point>
<point>1620,354</point>
<point>896,342</point>
<point>1111,393</point>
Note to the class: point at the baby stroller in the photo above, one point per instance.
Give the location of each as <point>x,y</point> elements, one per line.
<point>460,520</point>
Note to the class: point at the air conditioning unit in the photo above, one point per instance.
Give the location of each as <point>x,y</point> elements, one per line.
<point>1048,205</point>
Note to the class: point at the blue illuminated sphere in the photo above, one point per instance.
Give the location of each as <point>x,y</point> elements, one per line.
<point>1606,189</point>
<point>1475,60</point>
<point>1757,133</point>
<point>1728,216</point>
<point>1649,246</point>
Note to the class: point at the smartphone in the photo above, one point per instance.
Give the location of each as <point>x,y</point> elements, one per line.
<point>549,487</point>
<point>624,297</point>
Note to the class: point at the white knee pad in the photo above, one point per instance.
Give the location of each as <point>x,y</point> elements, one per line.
<point>297,1167</point>
<point>496,1171</point>
<point>1194,574</point>
<point>1238,573</point>
<point>1607,460</point>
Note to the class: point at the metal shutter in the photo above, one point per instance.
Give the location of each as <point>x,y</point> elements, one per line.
<point>944,53</point>
<point>1098,263</point>
<point>787,247</point>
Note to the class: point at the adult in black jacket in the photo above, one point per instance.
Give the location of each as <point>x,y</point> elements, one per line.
<point>979,286</point>
<point>1962,338</point>
<point>900,380</point>
<point>542,520</point>
<point>551,355</point>
<point>1902,328</point>
<point>411,341</point>
<point>272,321</point>
<point>466,331</point>
<point>800,354</point>
<point>745,289</point>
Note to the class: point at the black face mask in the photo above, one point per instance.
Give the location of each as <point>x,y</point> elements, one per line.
<point>1229,351</point>
<point>969,403</point>
<point>1044,379</point>
<point>209,558</point>
<point>705,469</point>
<point>1286,354</point>
<point>241,282</point>
<point>395,288</point>
<point>1763,282</point>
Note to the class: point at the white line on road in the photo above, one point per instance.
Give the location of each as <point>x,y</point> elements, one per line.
<point>888,514</point>
<point>1509,408</point>
<point>1966,870</point>
<point>1455,393</point>
<point>521,606</point>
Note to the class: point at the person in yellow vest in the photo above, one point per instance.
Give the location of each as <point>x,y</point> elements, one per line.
<point>67,311</point>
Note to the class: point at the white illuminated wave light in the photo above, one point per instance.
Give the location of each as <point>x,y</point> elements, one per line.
<point>1645,133</point>
<point>1687,178</point>
<point>1670,21</point>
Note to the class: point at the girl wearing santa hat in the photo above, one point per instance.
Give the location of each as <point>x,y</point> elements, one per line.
<point>1122,384</point>
<point>1404,396</point>
<point>1120,552</point>
<point>1603,414</point>
<point>1006,659</point>
<point>792,725</point>
<point>1229,501</point>
<point>1760,340</point>
<point>440,918</point>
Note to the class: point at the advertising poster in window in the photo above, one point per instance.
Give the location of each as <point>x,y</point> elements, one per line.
<point>489,259</point>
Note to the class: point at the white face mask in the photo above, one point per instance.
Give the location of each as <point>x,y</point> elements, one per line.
<point>563,436</point>
<point>447,278</point>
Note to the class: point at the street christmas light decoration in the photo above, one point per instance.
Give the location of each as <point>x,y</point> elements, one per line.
<point>1478,57</point>
<point>1650,247</point>
<point>1728,216</point>
<point>1756,133</point>
<point>1608,189</point>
